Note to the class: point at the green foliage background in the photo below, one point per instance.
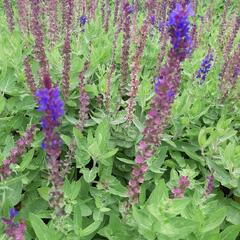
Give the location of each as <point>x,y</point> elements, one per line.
<point>202,136</point>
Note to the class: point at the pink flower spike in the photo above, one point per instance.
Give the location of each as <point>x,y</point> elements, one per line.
<point>177,192</point>
<point>184,182</point>
<point>148,154</point>
<point>135,172</point>
<point>133,183</point>
<point>144,168</point>
<point>142,145</point>
<point>141,179</point>
<point>139,159</point>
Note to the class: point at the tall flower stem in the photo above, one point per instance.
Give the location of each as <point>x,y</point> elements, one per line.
<point>51,105</point>
<point>21,145</point>
<point>165,91</point>
<point>136,68</point>
<point>67,49</point>
<point>37,32</point>
<point>9,14</point>
<point>127,11</point>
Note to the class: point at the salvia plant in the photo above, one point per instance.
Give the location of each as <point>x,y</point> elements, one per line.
<point>119,120</point>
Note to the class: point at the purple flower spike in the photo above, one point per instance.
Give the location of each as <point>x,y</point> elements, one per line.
<point>153,19</point>
<point>180,30</point>
<point>82,20</point>
<point>128,8</point>
<point>13,212</point>
<point>210,185</point>
<point>166,88</point>
<point>14,230</point>
<point>50,103</point>
<point>9,14</point>
<point>205,68</point>
<point>183,184</point>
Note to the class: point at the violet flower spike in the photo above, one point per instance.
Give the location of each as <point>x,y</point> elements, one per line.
<point>82,20</point>
<point>14,231</point>
<point>205,68</point>
<point>180,30</point>
<point>51,105</point>
<point>166,89</point>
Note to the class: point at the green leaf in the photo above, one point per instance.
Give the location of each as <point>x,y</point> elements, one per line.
<point>41,230</point>
<point>27,158</point>
<point>43,192</point>
<point>110,153</point>
<point>230,233</point>
<point>176,228</point>
<point>93,227</point>
<point>202,137</point>
<point>2,103</point>
<point>77,218</point>
<point>89,175</point>
<point>214,220</point>
<point>67,140</point>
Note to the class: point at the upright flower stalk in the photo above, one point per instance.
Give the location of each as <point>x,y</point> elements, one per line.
<point>93,8</point>
<point>164,36</point>
<point>21,146</point>
<point>108,90</point>
<point>67,50</point>
<point>83,98</point>
<point>136,68</point>
<point>205,67</point>
<point>230,73</point>
<point>107,15</point>
<point>235,22</point>
<point>116,11</point>
<point>29,75</point>
<point>9,14</point>
<point>37,32</point>
<point>223,24</point>
<point>127,11</point>
<point>23,15</point>
<point>50,104</point>
<point>165,91</point>
<point>52,22</point>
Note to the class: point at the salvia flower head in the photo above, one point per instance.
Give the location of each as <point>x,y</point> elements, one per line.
<point>14,230</point>
<point>183,184</point>
<point>153,19</point>
<point>209,185</point>
<point>128,8</point>
<point>205,67</point>
<point>50,103</point>
<point>180,30</point>
<point>82,20</point>
<point>161,25</point>
<point>13,212</point>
